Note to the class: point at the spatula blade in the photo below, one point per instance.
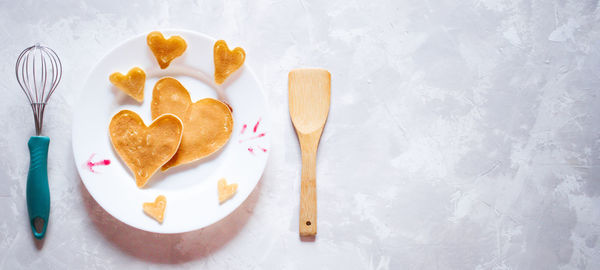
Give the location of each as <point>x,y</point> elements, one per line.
<point>309,98</point>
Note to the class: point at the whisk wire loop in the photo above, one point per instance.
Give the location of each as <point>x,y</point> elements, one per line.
<point>38,70</point>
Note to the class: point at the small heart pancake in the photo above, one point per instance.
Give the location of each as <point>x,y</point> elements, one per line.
<point>225,191</point>
<point>145,149</point>
<point>165,50</point>
<point>156,209</point>
<point>132,83</point>
<point>208,123</point>
<point>226,61</point>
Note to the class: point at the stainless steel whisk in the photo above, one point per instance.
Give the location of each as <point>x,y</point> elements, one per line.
<point>32,69</point>
<point>38,70</point>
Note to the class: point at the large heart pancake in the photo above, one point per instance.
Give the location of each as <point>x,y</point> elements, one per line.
<point>207,123</point>
<point>144,149</point>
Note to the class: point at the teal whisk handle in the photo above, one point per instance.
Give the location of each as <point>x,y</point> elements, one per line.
<point>38,192</point>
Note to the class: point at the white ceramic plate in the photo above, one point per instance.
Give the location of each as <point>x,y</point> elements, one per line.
<point>191,190</point>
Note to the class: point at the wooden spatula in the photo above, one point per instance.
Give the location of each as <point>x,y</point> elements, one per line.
<point>309,96</point>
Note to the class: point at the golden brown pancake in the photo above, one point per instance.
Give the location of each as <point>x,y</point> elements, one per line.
<point>225,191</point>
<point>145,149</point>
<point>132,83</point>
<point>208,123</point>
<point>156,209</point>
<point>226,61</point>
<point>165,50</point>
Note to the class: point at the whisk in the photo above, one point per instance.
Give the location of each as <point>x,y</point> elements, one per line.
<point>38,71</point>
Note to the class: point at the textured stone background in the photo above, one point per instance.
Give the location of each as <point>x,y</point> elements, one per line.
<point>462,135</point>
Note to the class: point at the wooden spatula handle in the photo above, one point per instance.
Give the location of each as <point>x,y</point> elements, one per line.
<point>308,188</point>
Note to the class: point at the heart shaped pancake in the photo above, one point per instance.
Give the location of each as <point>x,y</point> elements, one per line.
<point>165,50</point>
<point>208,123</point>
<point>156,209</point>
<point>132,83</point>
<point>225,191</point>
<point>226,61</point>
<point>145,149</point>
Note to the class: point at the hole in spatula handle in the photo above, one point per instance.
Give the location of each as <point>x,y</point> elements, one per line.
<point>308,223</point>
